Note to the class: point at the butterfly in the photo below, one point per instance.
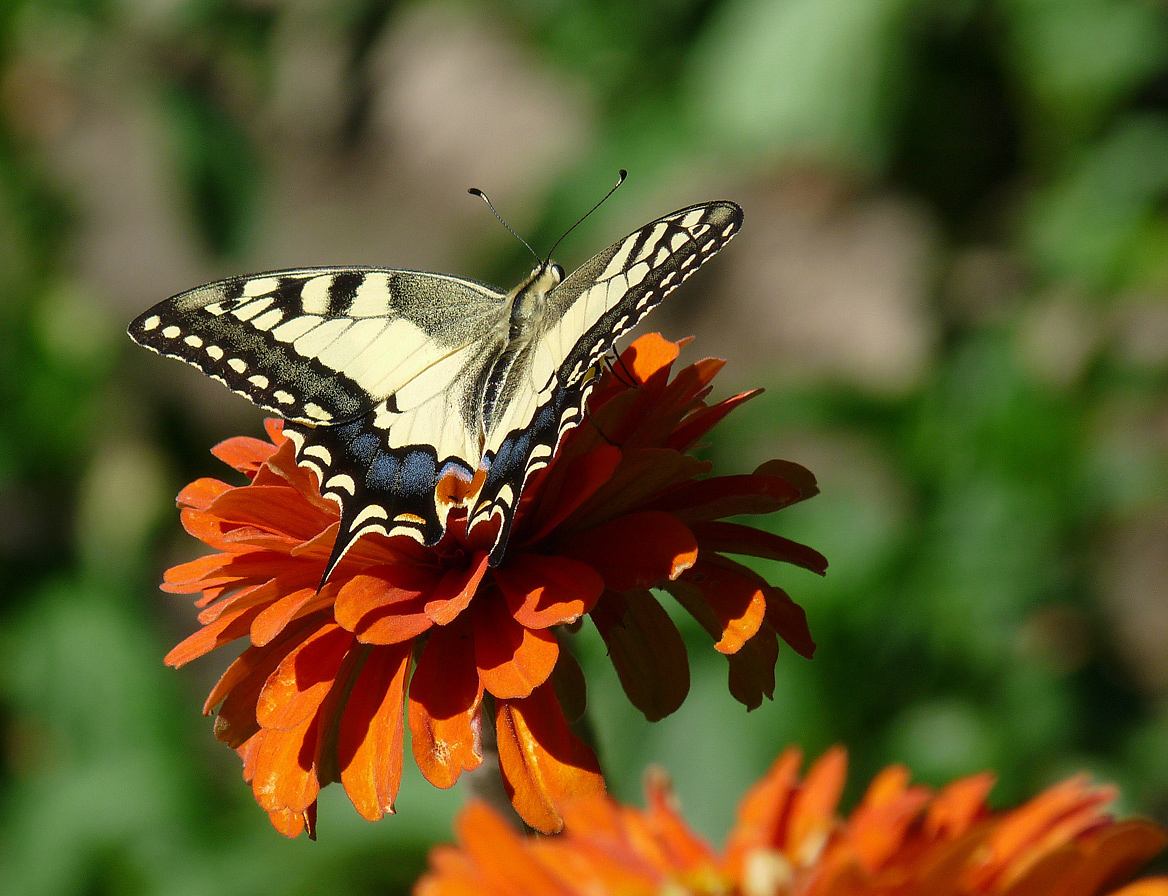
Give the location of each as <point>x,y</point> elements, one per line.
<point>411,394</point>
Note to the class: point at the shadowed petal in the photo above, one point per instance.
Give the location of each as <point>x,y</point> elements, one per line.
<point>543,591</point>
<point>371,737</point>
<point>646,649</point>
<point>636,550</point>
<point>453,593</point>
<point>445,696</point>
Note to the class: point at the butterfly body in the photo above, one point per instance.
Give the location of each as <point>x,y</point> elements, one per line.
<point>412,394</point>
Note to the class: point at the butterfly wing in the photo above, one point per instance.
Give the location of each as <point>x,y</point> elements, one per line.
<point>543,392</point>
<point>320,345</point>
<point>376,371</point>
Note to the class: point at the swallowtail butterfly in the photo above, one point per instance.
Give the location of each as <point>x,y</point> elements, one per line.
<point>398,387</point>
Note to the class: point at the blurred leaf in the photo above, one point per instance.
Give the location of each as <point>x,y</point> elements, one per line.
<point>1079,58</point>
<point>218,167</point>
<point>1106,212</point>
<point>807,79</point>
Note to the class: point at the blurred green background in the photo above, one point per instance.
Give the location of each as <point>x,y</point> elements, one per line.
<point>953,281</point>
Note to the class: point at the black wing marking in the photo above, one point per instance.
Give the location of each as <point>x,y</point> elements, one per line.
<point>601,301</point>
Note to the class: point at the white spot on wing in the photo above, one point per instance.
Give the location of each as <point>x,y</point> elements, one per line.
<point>248,310</point>
<point>311,344</point>
<point>151,322</point>
<point>260,286</point>
<point>259,381</point>
<point>214,352</point>
<point>171,332</point>
<point>237,364</point>
<point>314,294</point>
<point>344,482</point>
<point>268,319</point>
<point>372,298</point>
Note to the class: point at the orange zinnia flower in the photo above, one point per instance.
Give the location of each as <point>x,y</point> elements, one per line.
<point>902,840</point>
<point>320,695</point>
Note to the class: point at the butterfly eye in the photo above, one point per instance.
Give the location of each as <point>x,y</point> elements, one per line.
<point>558,273</point>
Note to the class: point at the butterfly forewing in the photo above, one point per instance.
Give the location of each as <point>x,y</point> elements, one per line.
<point>400,386</point>
<point>320,345</point>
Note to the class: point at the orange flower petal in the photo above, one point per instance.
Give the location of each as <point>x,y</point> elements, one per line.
<point>444,709</point>
<point>215,634</point>
<point>544,764</point>
<point>295,691</point>
<point>277,615</point>
<point>253,659</point>
<point>371,737</point>
<point>271,508</point>
<point>379,588</point>
<point>734,538</point>
<point>752,669</point>
<point>293,824</point>
<point>201,493</point>
<point>650,356</point>
<point>284,774</point>
<point>499,853</point>
<point>544,591</point>
<point>453,593</point>
<point>512,660</point>
<point>646,649</point>
<point>244,453</point>
<point>958,806</point>
<point>726,598</point>
<point>637,550</point>
<point>762,810</point>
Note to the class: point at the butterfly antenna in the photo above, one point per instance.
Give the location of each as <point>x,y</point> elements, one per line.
<point>475,191</point>
<point>621,175</point>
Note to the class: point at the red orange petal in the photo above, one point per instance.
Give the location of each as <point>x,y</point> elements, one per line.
<point>544,764</point>
<point>542,591</point>
<point>512,660</point>
<point>454,591</point>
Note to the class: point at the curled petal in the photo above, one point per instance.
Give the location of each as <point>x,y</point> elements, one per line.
<point>453,593</point>
<point>544,591</point>
<point>727,599</point>
<point>298,686</point>
<point>244,453</point>
<point>544,764</point>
